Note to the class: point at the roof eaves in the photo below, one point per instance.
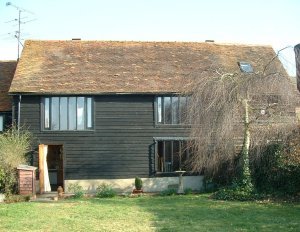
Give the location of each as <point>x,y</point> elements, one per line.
<point>94,94</point>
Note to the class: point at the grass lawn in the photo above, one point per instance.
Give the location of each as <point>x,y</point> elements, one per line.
<point>175,213</point>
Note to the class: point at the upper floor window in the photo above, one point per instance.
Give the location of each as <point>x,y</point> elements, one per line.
<point>171,110</point>
<point>67,113</point>
<point>1,123</point>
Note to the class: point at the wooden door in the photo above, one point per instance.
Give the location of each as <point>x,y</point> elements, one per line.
<point>41,168</point>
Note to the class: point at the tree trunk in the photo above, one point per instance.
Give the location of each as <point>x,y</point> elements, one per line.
<point>245,177</point>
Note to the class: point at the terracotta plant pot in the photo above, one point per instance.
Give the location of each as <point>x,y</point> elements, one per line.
<point>137,191</point>
<point>60,191</point>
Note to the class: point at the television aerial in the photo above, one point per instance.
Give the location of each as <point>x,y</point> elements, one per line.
<point>19,21</point>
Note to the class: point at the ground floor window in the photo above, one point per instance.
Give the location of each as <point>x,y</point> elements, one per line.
<point>1,123</point>
<point>172,155</point>
<point>5,121</point>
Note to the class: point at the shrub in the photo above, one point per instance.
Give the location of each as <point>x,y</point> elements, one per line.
<point>188,191</point>
<point>76,189</point>
<point>168,192</point>
<point>277,171</point>
<point>8,181</point>
<point>15,146</point>
<point>209,186</point>
<point>233,194</point>
<point>16,198</point>
<point>105,191</point>
<point>138,183</point>
<point>239,191</point>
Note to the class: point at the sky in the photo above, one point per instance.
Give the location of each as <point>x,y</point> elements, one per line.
<point>263,22</point>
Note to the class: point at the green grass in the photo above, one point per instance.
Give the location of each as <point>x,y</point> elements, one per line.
<point>175,213</point>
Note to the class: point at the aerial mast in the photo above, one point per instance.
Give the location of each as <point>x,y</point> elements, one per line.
<point>19,21</point>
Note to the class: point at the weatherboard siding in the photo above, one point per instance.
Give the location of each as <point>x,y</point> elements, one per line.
<point>118,147</point>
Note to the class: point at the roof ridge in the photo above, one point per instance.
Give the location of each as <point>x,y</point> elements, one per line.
<point>153,42</point>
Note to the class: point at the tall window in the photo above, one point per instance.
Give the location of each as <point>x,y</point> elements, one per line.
<point>172,155</point>
<point>1,123</point>
<point>68,113</point>
<point>171,110</point>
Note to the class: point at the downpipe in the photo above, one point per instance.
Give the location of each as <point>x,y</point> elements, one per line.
<point>19,112</point>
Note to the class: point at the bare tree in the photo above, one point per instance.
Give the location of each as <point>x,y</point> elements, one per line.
<point>232,112</point>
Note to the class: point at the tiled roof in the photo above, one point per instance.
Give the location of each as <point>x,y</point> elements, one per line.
<point>105,67</point>
<point>7,70</point>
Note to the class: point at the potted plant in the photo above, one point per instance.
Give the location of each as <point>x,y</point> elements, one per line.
<point>138,183</point>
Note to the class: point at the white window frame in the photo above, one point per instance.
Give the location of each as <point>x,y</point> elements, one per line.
<point>2,123</point>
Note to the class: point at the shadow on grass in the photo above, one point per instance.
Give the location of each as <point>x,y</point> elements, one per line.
<point>199,213</point>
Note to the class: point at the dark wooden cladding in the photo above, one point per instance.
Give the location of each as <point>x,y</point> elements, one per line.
<point>118,147</point>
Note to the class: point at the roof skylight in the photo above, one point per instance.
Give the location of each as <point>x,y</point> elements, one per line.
<point>245,67</point>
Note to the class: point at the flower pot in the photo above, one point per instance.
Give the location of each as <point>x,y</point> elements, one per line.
<point>137,191</point>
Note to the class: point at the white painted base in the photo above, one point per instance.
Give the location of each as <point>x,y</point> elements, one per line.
<point>156,184</point>
<point>2,197</point>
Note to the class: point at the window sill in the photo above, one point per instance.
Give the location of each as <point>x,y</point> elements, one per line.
<point>172,126</point>
<point>67,131</point>
<point>174,174</point>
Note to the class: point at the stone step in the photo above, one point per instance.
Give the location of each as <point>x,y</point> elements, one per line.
<point>46,197</point>
<point>43,200</point>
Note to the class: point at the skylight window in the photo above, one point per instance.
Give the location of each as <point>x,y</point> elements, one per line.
<point>245,67</point>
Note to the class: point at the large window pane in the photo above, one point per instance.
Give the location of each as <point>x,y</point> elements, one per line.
<point>55,113</point>
<point>159,110</point>
<point>160,156</point>
<point>1,123</point>
<point>168,156</point>
<point>183,109</point>
<point>167,110</point>
<point>175,110</point>
<point>47,113</point>
<point>172,110</point>
<point>185,154</point>
<point>89,123</point>
<point>72,113</point>
<point>172,155</point>
<point>63,113</point>
<point>80,113</point>
<point>176,155</point>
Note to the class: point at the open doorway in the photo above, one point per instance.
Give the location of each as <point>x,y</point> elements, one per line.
<point>50,167</point>
<point>55,166</point>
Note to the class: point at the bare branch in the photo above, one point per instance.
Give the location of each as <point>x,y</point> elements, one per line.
<point>274,57</point>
